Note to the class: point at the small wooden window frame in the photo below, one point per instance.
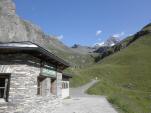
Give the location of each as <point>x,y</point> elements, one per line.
<point>6,77</point>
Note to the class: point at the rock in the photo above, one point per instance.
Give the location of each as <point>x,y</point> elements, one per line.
<point>7,7</point>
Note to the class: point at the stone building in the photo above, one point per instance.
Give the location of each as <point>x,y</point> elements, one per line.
<point>30,77</point>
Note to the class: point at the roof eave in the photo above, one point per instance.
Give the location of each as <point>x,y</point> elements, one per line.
<point>27,45</point>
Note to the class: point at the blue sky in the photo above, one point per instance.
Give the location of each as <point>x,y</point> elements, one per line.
<point>86,22</point>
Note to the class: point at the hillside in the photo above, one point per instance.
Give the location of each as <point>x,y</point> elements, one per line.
<point>125,77</point>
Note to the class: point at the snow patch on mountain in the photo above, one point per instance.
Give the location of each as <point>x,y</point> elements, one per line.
<point>109,42</point>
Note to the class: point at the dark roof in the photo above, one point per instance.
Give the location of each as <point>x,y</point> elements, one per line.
<point>34,49</point>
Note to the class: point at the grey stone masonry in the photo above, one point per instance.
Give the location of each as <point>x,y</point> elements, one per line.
<point>23,96</point>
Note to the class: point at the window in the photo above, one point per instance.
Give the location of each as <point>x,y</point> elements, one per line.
<point>65,85</point>
<point>4,87</point>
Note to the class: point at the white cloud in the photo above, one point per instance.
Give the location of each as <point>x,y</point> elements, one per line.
<point>119,35</point>
<point>98,32</point>
<point>60,37</point>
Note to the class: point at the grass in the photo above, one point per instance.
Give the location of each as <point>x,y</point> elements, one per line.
<point>125,77</point>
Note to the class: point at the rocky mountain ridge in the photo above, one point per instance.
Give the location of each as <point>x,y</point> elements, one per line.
<point>111,41</point>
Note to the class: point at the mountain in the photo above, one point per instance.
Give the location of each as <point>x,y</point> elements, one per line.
<point>109,42</point>
<point>101,44</point>
<point>125,76</point>
<point>106,48</point>
<point>82,49</point>
<point>112,41</point>
<point>14,29</point>
<point>98,47</point>
<point>105,51</point>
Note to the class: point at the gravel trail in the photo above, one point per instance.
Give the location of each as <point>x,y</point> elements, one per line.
<point>84,103</point>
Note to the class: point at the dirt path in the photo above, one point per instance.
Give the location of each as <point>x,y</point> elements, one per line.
<point>84,103</point>
<point>80,91</point>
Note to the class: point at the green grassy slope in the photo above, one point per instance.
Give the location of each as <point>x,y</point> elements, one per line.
<point>125,77</point>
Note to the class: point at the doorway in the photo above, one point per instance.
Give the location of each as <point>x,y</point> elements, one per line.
<point>41,85</point>
<point>53,86</point>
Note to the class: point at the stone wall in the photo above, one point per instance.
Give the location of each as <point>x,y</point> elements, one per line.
<point>23,96</point>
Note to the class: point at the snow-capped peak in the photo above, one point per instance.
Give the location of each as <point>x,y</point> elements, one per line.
<point>100,44</point>
<point>109,42</point>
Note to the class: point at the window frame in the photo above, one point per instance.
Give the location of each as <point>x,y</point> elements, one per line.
<point>6,77</point>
